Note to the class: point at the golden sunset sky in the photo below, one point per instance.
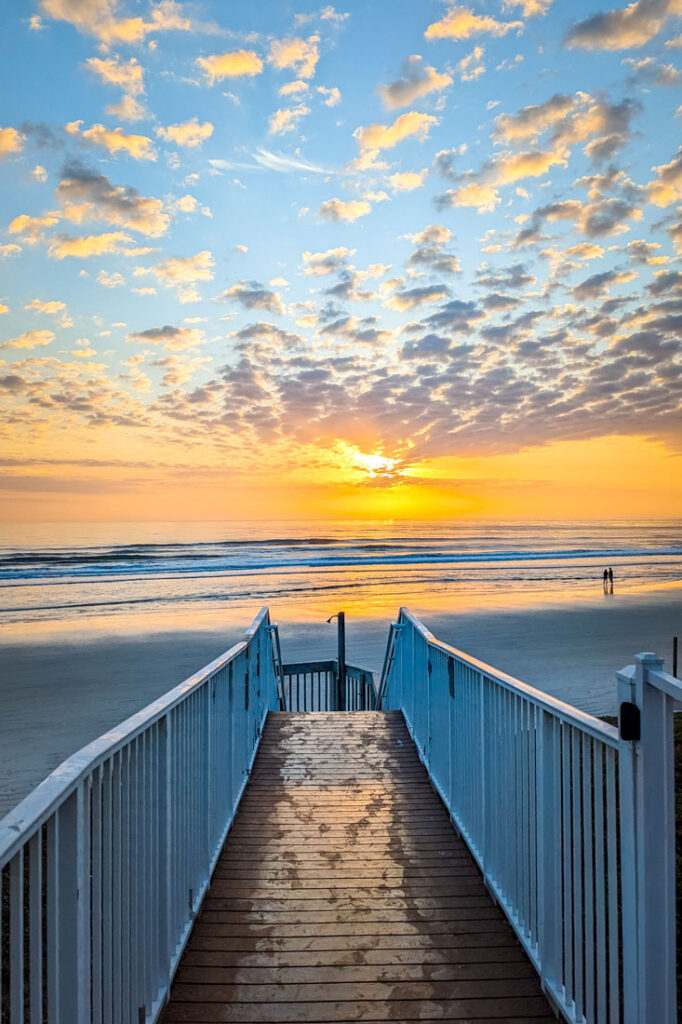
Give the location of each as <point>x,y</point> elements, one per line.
<point>392,260</point>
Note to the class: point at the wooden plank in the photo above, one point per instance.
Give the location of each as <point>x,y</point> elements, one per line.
<point>344,894</point>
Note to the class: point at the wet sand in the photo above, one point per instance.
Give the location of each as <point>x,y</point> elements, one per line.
<point>61,689</point>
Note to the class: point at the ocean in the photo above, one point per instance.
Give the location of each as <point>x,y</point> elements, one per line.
<point>62,572</point>
<point>98,620</point>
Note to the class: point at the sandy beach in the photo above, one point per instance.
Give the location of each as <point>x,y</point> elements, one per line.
<point>60,688</point>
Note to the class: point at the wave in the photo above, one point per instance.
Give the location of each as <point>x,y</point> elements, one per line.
<point>162,560</point>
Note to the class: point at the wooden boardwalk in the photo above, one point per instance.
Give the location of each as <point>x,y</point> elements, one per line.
<point>343,894</point>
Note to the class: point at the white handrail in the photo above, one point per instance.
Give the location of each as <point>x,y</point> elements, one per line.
<point>570,819</point>
<point>107,861</point>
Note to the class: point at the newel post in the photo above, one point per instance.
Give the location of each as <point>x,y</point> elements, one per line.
<point>647,823</point>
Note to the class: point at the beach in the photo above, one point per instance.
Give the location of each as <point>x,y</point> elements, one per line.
<point>60,691</point>
<point>89,635</point>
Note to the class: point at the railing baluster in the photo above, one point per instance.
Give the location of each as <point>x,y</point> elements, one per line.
<point>16,939</point>
<point>35,926</point>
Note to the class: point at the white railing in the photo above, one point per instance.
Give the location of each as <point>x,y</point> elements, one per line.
<point>103,867</point>
<point>570,820</point>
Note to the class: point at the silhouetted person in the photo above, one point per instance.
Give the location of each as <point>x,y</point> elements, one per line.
<point>606,579</point>
<point>610,580</point>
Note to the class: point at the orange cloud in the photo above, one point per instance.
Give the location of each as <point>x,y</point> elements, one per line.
<point>623,28</point>
<point>300,54</point>
<point>481,197</point>
<point>11,141</point>
<point>286,119</point>
<point>461,23</point>
<point>666,188</point>
<point>139,147</point>
<point>379,136</point>
<point>112,71</point>
<point>30,339</point>
<point>188,133</point>
<point>88,245</point>
<point>336,209</point>
<point>407,181</point>
<point>237,64</point>
<point>417,80</point>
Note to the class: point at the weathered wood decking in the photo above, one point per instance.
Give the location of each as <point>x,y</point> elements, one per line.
<point>343,894</point>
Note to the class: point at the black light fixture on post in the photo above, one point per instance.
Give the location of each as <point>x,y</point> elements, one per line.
<point>341,678</point>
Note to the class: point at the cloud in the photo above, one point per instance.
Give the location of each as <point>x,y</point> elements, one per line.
<point>408,181</point>
<point>173,339</point>
<point>182,270</point>
<point>39,173</point>
<point>85,194</point>
<point>429,250</point>
<point>649,71</point>
<point>286,164</point>
<point>472,67</point>
<point>127,109</point>
<point>413,297</point>
<point>139,147</point>
<point>237,64</point>
<point>481,197</point>
<point>532,121</point>
<point>188,133</point>
<point>9,249</point>
<point>337,209</point>
<point>98,18</point>
<point>110,280</point>
<point>317,264</point>
<point>293,88</point>
<point>379,136</point>
<point>31,228</point>
<point>30,339</point>
<point>462,23</point>
<point>62,246</point>
<point>332,96</point>
<point>10,142</point>
<point>127,75</point>
<point>286,119</point>
<point>51,306</point>
<point>417,80</point>
<point>598,285</point>
<point>530,8</point>
<point>300,54</point>
<point>666,188</point>
<point>622,28</point>
<point>253,295</point>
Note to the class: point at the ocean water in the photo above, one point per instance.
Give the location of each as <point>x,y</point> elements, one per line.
<point>65,572</point>
<point>98,620</point>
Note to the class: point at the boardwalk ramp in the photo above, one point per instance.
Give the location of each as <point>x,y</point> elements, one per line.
<point>344,894</point>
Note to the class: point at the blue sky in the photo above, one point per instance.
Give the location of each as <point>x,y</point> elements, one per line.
<point>401,232</point>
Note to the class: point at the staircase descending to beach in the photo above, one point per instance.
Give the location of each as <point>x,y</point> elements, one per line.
<point>308,842</point>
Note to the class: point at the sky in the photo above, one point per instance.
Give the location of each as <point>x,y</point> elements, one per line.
<point>381,260</point>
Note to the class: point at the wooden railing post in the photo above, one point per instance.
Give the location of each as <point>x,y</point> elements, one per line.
<point>647,794</point>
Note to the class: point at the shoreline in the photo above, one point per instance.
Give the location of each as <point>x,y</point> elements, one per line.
<point>60,689</point>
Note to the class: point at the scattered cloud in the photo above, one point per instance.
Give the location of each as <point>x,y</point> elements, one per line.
<point>190,133</point>
<point>666,188</point>
<point>317,264</point>
<point>408,181</point>
<point>332,97</point>
<point>252,295</point>
<point>139,147</point>
<point>62,246</point>
<point>622,28</point>
<point>127,75</point>
<point>379,136</point>
<point>481,197</point>
<point>11,141</point>
<point>286,119</point>
<point>51,306</point>
<point>300,55</point>
<point>236,64</point>
<point>337,209</point>
<point>30,339</point>
<point>85,194</point>
<point>417,80</point>
<point>173,339</point>
<point>462,23</point>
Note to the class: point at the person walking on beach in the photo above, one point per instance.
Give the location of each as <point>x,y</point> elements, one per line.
<point>610,580</point>
<point>606,579</point>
